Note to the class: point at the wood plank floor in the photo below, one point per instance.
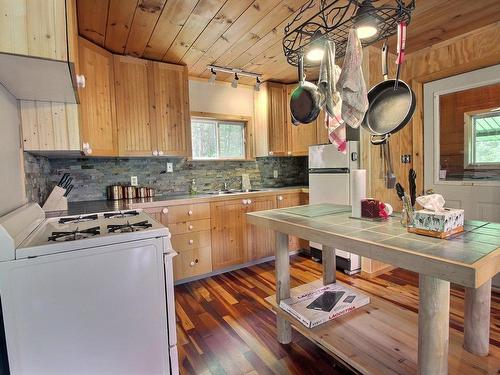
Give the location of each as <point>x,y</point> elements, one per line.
<point>225,327</point>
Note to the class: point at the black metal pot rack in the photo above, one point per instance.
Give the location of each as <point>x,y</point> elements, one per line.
<point>334,19</point>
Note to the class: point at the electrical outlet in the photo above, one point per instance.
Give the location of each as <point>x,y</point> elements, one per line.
<point>133,181</point>
<point>170,167</point>
<point>275,173</point>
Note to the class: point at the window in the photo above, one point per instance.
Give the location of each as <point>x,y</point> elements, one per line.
<point>217,139</point>
<point>483,138</point>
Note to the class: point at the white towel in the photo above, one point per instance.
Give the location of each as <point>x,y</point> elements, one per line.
<point>351,83</point>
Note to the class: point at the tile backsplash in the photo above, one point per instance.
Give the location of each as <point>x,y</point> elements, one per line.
<point>92,175</point>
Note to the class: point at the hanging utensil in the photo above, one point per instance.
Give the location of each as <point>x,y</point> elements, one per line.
<point>390,177</point>
<point>400,191</point>
<point>391,104</point>
<point>412,177</point>
<point>305,101</point>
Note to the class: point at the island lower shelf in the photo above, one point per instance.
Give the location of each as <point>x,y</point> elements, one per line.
<point>381,338</point>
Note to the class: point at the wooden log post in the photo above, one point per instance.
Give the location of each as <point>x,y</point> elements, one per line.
<point>329,265</point>
<point>477,319</point>
<point>284,329</point>
<point>433,325</point>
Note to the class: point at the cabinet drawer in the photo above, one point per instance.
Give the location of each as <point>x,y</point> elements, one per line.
<point>187,212</point>
<point>189,226</point>
<point>191,263</point>
<point>189,241</point>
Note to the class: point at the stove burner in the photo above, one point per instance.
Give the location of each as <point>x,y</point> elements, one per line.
<point>113,215</point>
<point>77,219</point>
<point>124,228</point>
<point>75,235</point>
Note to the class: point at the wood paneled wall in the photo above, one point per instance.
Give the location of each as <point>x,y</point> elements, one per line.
<point>474,50</point>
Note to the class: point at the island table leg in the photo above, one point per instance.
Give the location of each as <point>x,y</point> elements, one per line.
<point>477,319</point>
<point>329,265</point>
<point>433,325</point>
<point>284,329</point>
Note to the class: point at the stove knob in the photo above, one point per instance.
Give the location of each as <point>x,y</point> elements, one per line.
<point>165,211</point>
<point>190,212</point>
<point>191,242</point>
<point>190,227</point>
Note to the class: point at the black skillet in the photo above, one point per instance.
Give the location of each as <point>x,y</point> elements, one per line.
<point>392,101</point>
<point>305,99</point>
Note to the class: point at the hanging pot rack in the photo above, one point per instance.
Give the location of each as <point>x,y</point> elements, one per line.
<point>334,19</point>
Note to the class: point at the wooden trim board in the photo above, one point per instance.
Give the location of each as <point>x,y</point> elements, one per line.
<point>381,338</point>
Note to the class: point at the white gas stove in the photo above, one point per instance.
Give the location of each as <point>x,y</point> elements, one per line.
<point>87,294</point>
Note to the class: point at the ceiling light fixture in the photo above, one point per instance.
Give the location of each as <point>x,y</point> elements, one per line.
<point>257,84</point>
<point>234,84</point>
<point>365,22</point>
<point>237,73</point>
<point>317,47</point>
<point>213,76</point>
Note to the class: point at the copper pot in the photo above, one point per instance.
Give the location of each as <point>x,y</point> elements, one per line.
<point>114,192</point>
<point>129,192</point>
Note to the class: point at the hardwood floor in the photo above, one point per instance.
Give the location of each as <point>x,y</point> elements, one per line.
<point>224,325</point>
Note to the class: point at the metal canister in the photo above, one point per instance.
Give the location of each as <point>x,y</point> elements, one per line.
<point>142,192</point>
<point>129,192</point>
<point>114,192</point>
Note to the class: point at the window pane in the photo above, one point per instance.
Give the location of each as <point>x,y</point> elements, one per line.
<point>204,139</point>
<point>487,138</point>
<point>231,143</point>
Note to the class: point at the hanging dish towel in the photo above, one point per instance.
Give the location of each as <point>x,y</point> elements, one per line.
<point>351,83</point>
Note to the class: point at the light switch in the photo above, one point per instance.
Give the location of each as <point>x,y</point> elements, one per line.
<point>133,181</point>
<point>275,173</point>
<point>170,167</point>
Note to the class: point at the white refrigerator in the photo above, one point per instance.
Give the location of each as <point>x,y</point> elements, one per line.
<point>329,182</point>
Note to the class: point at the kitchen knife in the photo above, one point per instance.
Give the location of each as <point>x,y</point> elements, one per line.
<point>63,179</point>
<point>412,176</point>
<point>68,182</point>
<point>66,193</point>
<point>400,191</point>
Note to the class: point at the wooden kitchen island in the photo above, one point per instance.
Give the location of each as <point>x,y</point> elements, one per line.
<point>382,338</point>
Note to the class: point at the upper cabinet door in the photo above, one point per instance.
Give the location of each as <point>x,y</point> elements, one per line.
<point>171,108</point>
<point>133,110</point>
<point>98,126</point>
<point>278,131</point>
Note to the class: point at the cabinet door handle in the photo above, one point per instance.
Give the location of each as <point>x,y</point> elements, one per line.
<point>193,262</point>
<point>271,153</point>
<point>160,153</point>
<point>87,150</point>
<point>289,152</point>
<point>165,211</point>
<point>244,201</point>
<point>191,242</point>
<point>190,227</point>
<point>190,212</point>
<point>280,198</point>
<point>155,153</point>
<point>249,201</point>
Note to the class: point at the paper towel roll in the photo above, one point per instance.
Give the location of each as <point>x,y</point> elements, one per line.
<point>358,190</point>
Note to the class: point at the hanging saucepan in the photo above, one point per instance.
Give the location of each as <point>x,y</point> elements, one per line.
<point>392,101</point>
<point>305,101</point>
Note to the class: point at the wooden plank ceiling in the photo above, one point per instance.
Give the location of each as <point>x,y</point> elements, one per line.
<point>245,34</point>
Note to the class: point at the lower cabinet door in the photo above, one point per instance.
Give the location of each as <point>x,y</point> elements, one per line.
<point>189,263</point>
<point>260,241</point>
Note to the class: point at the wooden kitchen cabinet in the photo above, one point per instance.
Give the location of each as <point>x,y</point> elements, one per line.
<point>300,137</point>
<point>321,131</point>
<point>152,108</point>
<point>271,130</point>
<point>260,242</point>
<point>136,131</point>
<point>171,109</point>
<point>228,233</point>
<point>290,200</point>
<point>97,98</point>
<point>39,28</point>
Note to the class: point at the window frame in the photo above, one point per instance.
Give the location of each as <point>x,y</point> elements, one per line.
<point>246,124</point>
<point>470,140</point>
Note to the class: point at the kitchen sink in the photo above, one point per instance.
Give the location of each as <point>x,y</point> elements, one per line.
<point>225,192</point>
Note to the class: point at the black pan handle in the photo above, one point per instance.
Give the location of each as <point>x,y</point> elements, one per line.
<point>385,52</point>
<point>379,141</point>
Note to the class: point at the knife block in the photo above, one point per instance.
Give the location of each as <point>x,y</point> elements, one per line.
<point>56,200</point>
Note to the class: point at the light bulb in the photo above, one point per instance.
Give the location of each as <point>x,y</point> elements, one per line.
<point>315,54</point>
<point>366,31</point>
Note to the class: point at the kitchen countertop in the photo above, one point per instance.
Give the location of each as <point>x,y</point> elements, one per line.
<point>88,207</point>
